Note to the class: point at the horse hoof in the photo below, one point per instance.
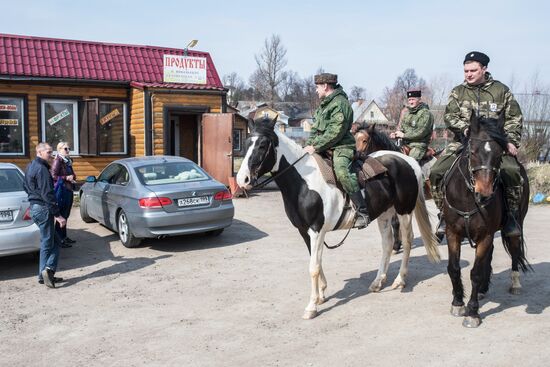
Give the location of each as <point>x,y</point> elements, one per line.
<point>515,290</point>
<point>308,315</point>
<point>398,284</point>
<point>375,288</point>
<point>458,311</point>
<point>471,322</point>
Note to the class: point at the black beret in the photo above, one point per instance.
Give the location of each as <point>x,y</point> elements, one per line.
<point>477,56</point>
<point>326,78</point>
<point>414,93</point>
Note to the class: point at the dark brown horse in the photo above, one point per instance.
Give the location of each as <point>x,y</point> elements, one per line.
<point>475,208</point>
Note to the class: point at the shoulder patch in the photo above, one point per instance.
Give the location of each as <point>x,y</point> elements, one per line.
<point>339,117</point>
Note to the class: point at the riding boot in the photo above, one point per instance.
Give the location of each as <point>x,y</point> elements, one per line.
<point>438,199</point>
<point>361,211</point>
<point>511,226</point>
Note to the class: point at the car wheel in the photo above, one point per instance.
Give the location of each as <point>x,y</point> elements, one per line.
<point>215,233</point>
<point>84,211</point>
<point>125,232</point>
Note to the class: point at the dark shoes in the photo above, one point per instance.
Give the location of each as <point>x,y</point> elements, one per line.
<point>48,278</point>
<point>67,242</point>
<point>361,214</point>
<point>55,280</point>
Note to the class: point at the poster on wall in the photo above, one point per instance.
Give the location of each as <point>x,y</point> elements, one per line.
<point>60,116</point>
<point>184,69</point>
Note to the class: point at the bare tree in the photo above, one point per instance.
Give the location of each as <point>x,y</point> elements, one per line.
<point>271,62</point>
<point>356,93</point>
<point>236,87</point>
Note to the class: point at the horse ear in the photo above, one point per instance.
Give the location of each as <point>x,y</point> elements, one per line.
<point>474,122</point>
<point>501,118</point>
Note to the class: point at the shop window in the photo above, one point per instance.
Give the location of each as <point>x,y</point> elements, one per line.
<point>237,136</point>
<point>60,122</point>
<point>112,135</point>
<point>12,128</point>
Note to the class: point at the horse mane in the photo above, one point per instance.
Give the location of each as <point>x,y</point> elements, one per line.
<point>379,141</point>
<point>495,130</point>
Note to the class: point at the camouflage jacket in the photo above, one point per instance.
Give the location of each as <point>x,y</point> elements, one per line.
<point>417,125</point>
<point>332,125</point>
<point>488,99</point>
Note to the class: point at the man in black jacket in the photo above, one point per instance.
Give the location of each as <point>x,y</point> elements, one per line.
<point>44,212</point>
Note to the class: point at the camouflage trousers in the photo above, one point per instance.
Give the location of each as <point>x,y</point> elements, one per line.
<point>341,160</point>
<point>510,174</point>
<point>418,150</point>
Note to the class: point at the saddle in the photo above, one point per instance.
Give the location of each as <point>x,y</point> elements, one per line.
<point>365,167</point>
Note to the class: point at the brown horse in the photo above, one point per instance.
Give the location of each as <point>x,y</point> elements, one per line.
<point>475,209</point>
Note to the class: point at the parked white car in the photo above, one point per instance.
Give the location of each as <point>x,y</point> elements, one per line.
<point>18,233</point>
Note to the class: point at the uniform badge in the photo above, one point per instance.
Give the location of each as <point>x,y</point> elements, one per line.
<point>339,117</point>
<point>493,107</point>
<point>413,123</point>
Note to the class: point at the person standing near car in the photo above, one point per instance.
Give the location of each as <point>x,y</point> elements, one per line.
<point>64,184</point>
<point>44,212</point>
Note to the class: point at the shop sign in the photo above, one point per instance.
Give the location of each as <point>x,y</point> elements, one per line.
<point>8,107</point>
<point>60,116</point>
<point>108,117</point>
<point>184,69</point>
<point>9,122</point>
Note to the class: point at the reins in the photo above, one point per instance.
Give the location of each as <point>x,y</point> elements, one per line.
<point>278,174</point>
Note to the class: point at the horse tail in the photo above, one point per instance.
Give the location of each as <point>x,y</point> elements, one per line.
<point>522,260</point>
<point>423,220</point>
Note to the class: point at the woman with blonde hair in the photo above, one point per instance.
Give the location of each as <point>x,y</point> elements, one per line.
<point>64,180</point>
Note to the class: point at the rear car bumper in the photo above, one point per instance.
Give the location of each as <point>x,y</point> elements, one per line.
<point>150,224</point>
<point>19,240</point>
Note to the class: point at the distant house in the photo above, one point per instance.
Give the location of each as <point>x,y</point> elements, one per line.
<point>371,113</point>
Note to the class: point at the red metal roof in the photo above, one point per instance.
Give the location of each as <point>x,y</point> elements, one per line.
<point>25,56</point>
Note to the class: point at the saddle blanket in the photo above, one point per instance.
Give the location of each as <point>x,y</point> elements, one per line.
<point>369,169</point>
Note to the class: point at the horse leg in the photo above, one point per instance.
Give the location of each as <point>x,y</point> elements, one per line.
<point>477,274</point>
<point>396,234</point>
<point>487,272</point>
<point>384,225</point>
<point>453,268</point>
<point>315,271</point>
<point>514,246</point>
<point>322,279</point>
<point>407,236</point>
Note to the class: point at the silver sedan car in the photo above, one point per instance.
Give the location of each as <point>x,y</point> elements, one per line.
<point>18,233</point>
<point>155,197</point>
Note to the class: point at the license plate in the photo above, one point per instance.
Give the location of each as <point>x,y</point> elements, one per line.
<point>6,215</point>
<point>199,200</point>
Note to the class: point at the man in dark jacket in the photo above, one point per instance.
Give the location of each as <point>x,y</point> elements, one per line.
<point>44,212</point>
<point>331,131</point>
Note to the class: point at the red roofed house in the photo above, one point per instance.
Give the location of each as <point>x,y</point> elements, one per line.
<point>111,101</point>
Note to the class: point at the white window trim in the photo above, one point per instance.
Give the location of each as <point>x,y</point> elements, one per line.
<point>76,144</point>
<point>23,127</point>
<point>125,128</point>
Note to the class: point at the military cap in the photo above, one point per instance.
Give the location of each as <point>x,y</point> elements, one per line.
<point>477,56</point>
<point>326,78</point>
<point>414,93</point>
<point>265,114</point>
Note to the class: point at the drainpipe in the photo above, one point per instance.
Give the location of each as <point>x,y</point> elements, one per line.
<point>152,124</point>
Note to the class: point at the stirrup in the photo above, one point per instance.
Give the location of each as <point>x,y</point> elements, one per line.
<point>361,220</point>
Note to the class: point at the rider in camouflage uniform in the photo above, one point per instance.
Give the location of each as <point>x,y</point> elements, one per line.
<point>487,97</point>
<point>416,126</point>
<point>331,131</point>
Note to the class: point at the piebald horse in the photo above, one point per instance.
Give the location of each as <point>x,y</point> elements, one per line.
<point>315,207</point>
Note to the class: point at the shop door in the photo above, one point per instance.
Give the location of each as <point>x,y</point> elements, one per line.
<point>217,145</point>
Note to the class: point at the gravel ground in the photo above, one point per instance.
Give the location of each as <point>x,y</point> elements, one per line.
<point>237,300</point>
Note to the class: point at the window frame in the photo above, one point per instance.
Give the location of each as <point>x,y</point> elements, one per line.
<point>76,123</point>
<point>24,123</point>
<point>240,131</point>
<point>125,126</point>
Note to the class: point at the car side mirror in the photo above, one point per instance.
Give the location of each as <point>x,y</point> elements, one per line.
<point>91,179</point>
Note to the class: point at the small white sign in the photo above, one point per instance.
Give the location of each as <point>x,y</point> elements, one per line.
<point>60,116</point>
<point>8,107</point>
<point>184,69</point>
<point>9,122</point>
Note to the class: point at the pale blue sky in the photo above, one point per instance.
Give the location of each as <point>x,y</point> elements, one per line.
<point>367,43</point>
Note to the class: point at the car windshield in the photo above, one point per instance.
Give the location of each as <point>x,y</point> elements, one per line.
<point>11,180</point>
<point>169,173</point>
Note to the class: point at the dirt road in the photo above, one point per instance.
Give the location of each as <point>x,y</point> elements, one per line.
<point>237,300</point>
